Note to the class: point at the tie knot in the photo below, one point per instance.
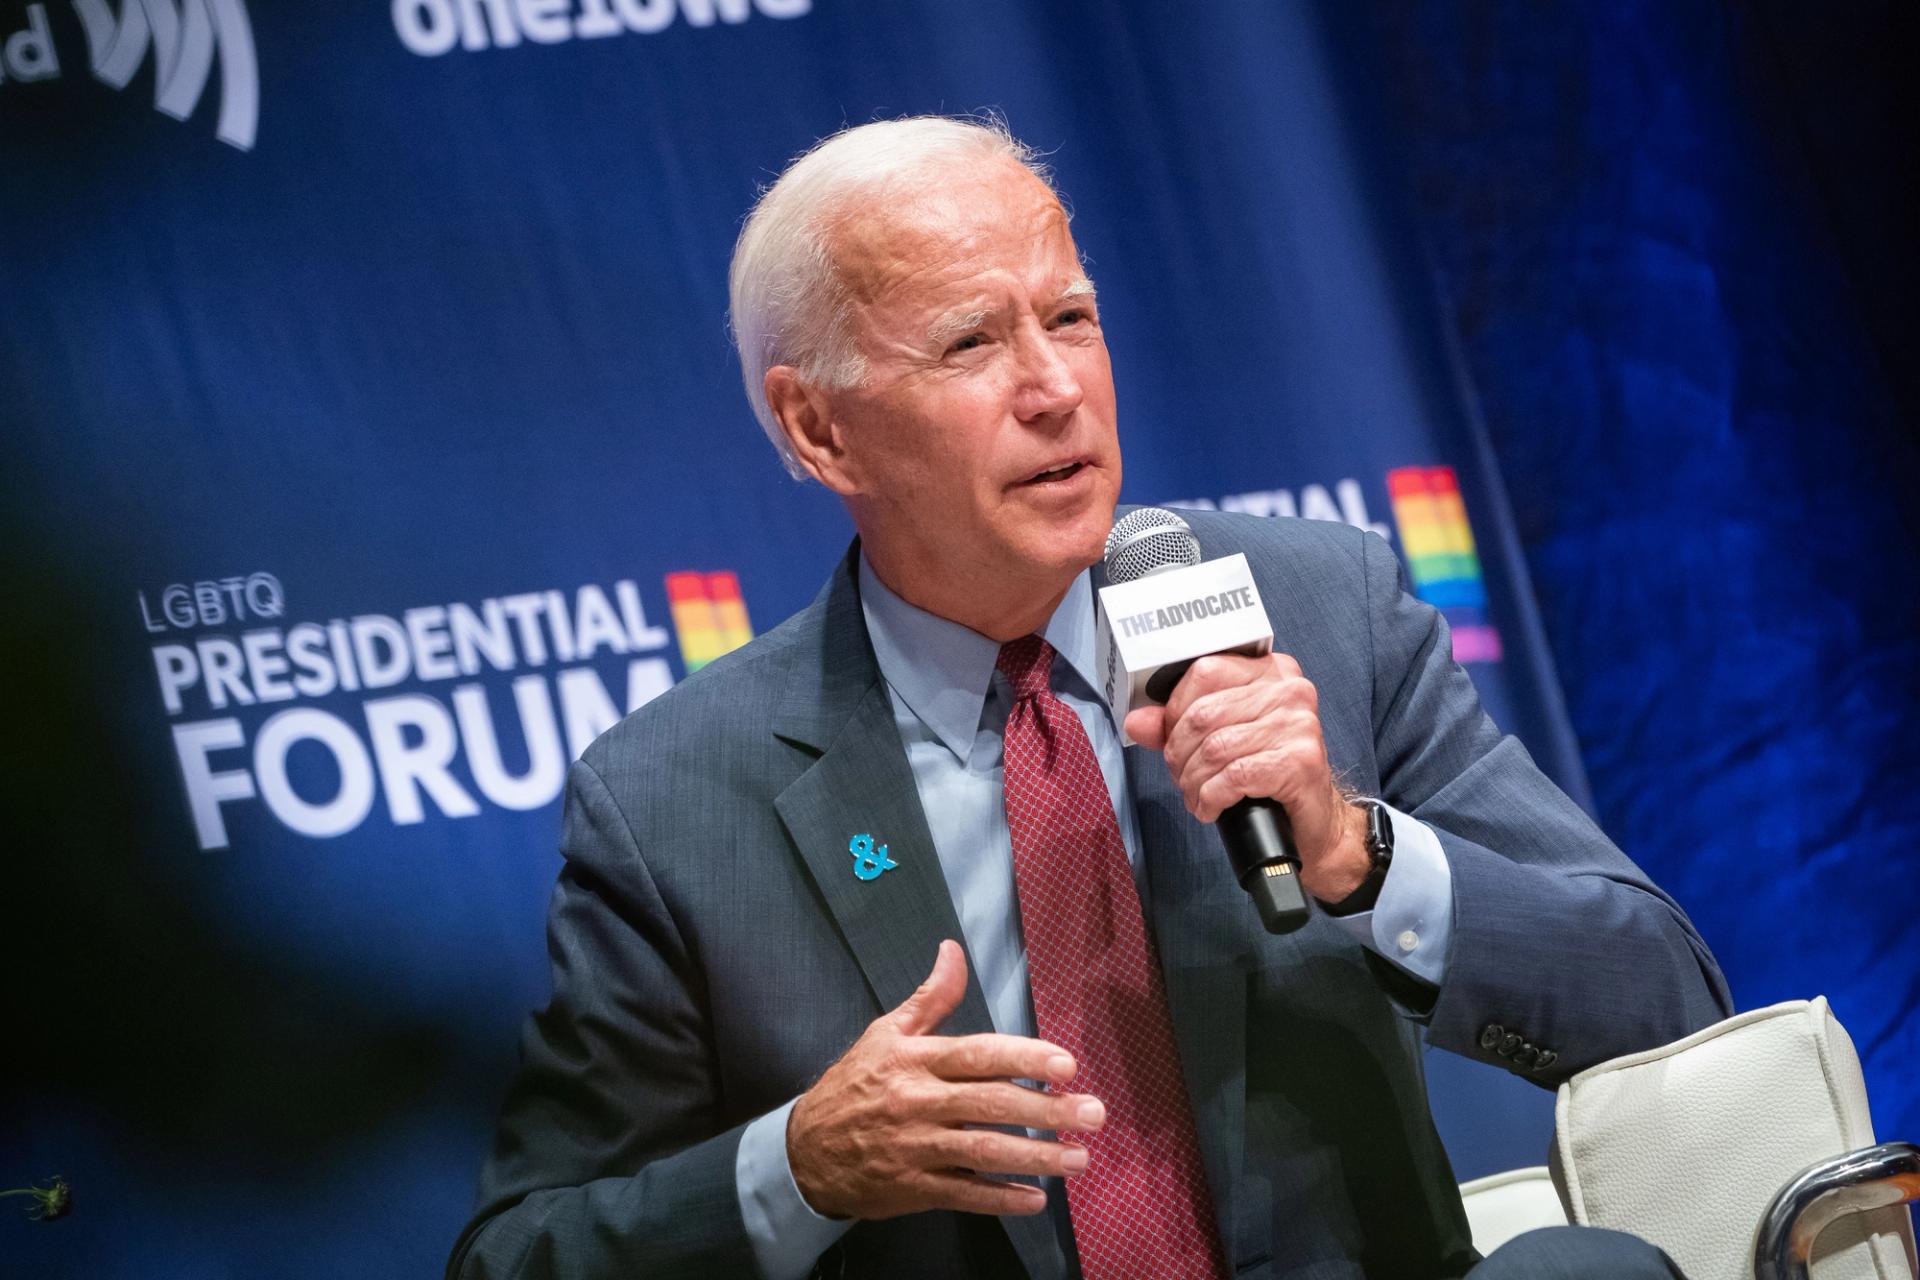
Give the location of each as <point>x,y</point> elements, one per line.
<point>1027,663</point>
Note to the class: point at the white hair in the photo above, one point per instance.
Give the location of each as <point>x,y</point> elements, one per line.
<point>785,303</point>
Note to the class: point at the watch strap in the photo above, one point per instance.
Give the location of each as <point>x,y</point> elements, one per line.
<point>1379,843</point>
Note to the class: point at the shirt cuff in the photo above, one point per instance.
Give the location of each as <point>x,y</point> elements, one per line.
<point>1412,920</point>
<point>788,1237</point>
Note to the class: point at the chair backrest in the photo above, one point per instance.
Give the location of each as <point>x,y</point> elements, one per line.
<point>1685,1145</point>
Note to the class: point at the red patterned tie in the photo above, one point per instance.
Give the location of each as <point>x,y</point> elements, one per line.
<point>1141,1208</point>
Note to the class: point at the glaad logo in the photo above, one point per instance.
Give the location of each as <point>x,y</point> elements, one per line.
<point>186,36</point>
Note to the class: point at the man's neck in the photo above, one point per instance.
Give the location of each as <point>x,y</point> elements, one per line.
<point>1007,611</point>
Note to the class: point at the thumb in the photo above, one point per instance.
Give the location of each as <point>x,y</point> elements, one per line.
<point>928,1007</point>
<point>1148,727</point>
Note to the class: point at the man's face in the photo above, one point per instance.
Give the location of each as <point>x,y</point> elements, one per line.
<point>979,456</point>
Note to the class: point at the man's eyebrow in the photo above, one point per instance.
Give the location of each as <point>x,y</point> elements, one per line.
<point>955,323</point>
<point>1081,288</point>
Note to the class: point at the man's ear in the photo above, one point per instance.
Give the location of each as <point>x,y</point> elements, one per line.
<point>806,417</point>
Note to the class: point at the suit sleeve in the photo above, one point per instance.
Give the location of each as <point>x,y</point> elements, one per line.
<point>606,1160</point>
<point>1563,953</point>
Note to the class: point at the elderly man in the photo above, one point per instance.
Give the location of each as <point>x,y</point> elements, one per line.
<point>1109,1070</point>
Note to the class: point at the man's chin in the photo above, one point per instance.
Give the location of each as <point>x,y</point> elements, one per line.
<point>1073,549</point>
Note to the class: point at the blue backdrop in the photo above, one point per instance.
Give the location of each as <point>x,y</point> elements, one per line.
<point>1674,242</point>
<point>366,377</point>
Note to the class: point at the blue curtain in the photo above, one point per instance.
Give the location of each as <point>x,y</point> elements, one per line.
<point>1675,243</point>
<point>415,306</point>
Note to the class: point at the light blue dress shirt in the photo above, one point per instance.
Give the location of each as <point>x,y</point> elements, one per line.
<point>951,707</point>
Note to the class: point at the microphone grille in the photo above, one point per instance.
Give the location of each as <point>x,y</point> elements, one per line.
<point>1147,541</point>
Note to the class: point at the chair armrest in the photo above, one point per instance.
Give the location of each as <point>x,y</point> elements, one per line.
<point>1686,1145</point>
<point>1872,1178</point>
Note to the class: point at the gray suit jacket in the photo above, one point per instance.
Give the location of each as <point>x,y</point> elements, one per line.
<point>713,953</point>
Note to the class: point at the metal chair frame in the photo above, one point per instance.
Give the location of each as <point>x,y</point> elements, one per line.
<point>1872,1178</point>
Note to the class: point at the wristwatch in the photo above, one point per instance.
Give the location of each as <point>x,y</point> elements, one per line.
<point>1379,842</point>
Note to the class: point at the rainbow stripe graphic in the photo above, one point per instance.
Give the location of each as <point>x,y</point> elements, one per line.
<point>1440,555</point>
<point>709,616</point>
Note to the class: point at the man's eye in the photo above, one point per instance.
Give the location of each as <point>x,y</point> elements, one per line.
<point>967,343</point>
<point>1071,317</point>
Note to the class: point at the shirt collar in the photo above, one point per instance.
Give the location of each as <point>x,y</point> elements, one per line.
<point>942,671</point>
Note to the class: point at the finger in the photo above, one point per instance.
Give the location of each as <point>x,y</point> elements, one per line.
<point>1003,1103</point>
<point>992,1056</point>
<point>1283,775</point>
<point>1245,705</point>
<point>923,1011</point>
<point>1214,672</point>
<point>971,1193</point>
<point>1283,730</point>
<point>990,1151</point>
<point>1148,727</point>
<point>1279,683</point>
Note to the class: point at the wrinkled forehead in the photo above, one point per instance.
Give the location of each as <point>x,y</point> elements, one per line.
<point>913,234</point>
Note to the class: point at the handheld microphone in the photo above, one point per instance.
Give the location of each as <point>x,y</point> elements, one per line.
<point>1164,609</point>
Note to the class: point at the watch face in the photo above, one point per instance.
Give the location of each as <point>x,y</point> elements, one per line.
<point>1379,832</point>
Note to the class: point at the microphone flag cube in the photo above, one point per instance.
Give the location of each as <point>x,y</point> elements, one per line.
<point>1149,631</point>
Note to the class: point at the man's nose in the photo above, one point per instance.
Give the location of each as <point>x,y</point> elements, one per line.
<point>1049,386</point>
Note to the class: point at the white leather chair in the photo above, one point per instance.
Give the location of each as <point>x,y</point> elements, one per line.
<point>1746,1151</point>
<point>1508,1204</point>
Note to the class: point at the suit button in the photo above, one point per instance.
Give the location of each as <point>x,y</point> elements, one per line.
<point>1508,1043</point>
<point>1490,1035</point>
<point>1546,1059</point>
<point>1523,1057</point>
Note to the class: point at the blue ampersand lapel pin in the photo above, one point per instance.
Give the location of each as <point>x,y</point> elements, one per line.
<point>867,863</point>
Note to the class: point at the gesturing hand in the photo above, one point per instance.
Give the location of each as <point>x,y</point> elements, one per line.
<point>1238,727</point>
<point>884,1131</point>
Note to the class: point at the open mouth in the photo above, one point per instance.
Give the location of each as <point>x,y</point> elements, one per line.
<point>1056,475</point>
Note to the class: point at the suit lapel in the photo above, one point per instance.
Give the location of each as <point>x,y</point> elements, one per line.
<point>861,784</point>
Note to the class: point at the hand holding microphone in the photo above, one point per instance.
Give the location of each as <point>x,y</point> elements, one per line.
<point>1240,726</point>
